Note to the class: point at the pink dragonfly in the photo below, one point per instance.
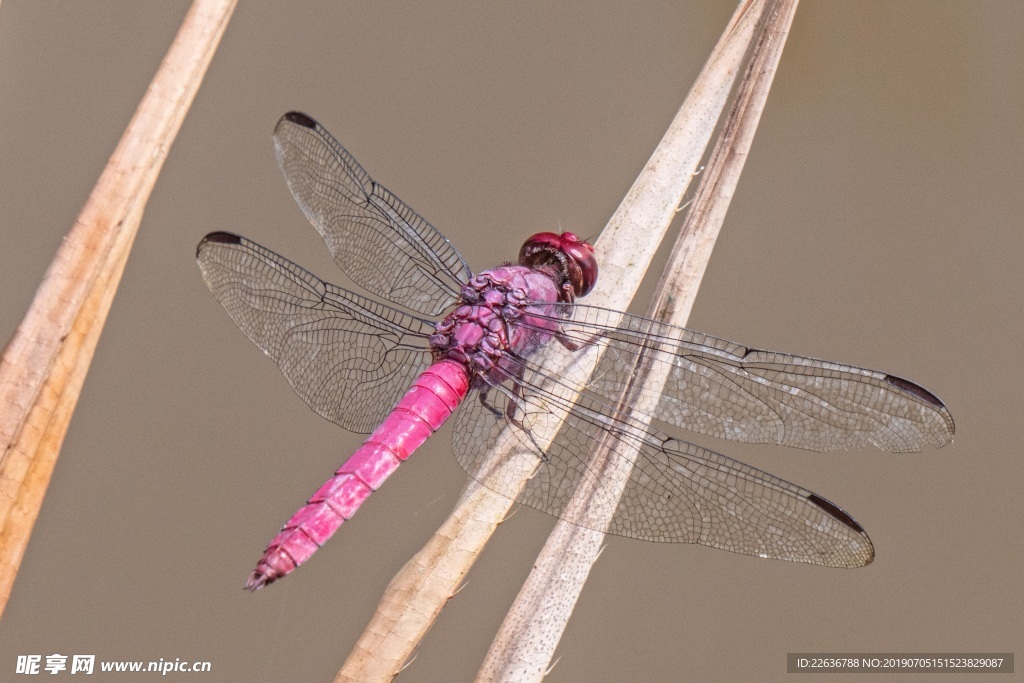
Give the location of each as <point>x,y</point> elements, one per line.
<point>368,366</point>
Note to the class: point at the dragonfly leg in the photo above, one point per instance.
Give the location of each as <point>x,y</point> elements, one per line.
<point>487,404</point>
<point>516,397</point>
<point>571,345</point>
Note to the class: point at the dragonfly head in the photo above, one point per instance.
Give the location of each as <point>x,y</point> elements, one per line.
<point>572,258</point>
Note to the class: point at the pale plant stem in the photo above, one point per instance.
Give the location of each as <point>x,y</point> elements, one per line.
<point>45,363</point>
<point>419,591</point>
<point>525,644</point>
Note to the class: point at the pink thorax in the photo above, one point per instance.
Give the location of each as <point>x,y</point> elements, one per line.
<point>498,315</point>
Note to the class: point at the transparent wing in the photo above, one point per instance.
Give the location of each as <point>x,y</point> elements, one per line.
<point>722,389</point>
<point>376,239</point>
<point>350,358</point>
<point>676,492</point>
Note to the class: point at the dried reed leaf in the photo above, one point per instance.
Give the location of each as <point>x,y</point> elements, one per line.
<point>44,364</point>
<point>525,643</point>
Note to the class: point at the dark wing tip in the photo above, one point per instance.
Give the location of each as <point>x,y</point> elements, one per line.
<point>916,390</point>
<point>836,512</point>
<point>299,119</point>
<point>218,238</point>
<point>867,554</point>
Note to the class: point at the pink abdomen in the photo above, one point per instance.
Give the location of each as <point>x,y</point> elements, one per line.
<point>433,397</point>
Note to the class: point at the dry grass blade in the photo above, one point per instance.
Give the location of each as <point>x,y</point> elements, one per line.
<point>419,591</point>
<point>525,644</point>
<point>45,362</point>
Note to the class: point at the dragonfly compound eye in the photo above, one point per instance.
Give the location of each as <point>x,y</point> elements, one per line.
<point>582,253</point>
<point>573,256</point>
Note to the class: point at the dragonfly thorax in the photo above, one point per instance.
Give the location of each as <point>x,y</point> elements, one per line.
<point>502,311</point>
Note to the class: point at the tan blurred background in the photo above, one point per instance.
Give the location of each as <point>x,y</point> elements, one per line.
<point>878,223</point>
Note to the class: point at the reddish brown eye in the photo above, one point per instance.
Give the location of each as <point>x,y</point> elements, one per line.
<point>575,257</point>
<point>583,254</point>
<point>540,242</point>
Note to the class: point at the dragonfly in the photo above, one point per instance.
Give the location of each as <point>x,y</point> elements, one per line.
<point>474,345</point>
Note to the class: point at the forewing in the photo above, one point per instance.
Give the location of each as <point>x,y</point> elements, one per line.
<point>350,358</point>
<point>677,491</point>
<point>376,239</point>
<point>722,389</point>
